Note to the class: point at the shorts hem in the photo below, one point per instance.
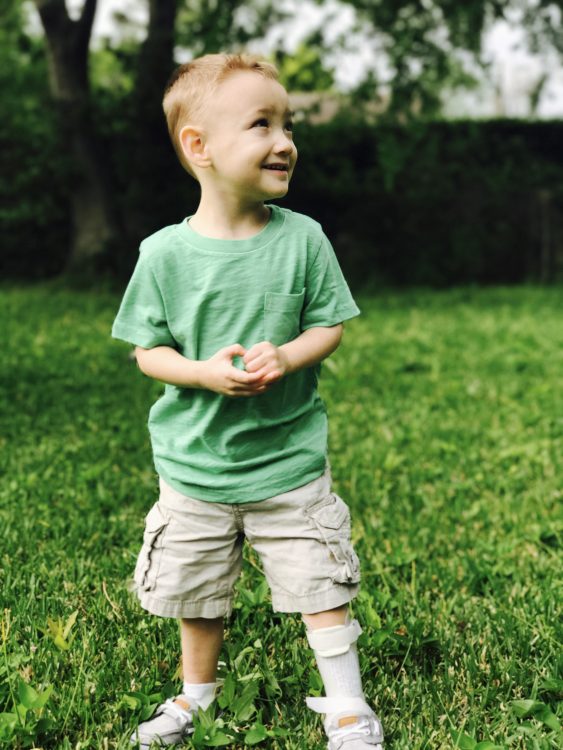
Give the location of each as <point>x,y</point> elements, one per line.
<point>210,608</point>
<point>312,603</point>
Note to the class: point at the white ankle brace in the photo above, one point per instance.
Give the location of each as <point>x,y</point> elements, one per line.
<point>335,640</point>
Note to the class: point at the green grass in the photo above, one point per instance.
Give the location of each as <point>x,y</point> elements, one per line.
<point>446,439</point>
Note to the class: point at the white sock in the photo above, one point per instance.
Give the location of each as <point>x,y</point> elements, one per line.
<point>341,674</point>
<point>203,693</point>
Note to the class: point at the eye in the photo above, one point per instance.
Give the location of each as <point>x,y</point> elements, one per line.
<point>259,121</point>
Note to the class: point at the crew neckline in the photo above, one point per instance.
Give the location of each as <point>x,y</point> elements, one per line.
<point>248,244</point>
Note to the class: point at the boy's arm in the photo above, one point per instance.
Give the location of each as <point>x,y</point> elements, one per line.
<point>265,363</point>
<point>216,374</point>
<point>312,346</point>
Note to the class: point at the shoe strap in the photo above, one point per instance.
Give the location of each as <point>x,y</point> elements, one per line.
<point>339,705</point>
<point>173,709</point>
<point>361,727</point>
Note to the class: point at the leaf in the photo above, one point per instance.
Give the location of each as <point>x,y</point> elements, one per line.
<point>69,624</point>
<point>547,717</point>
<point>8,723</point>
<point>243,706</point>
<point>133,701</point>
<point>255,735</point>
<point>147,711</point>
<point>241,655</point>
<point>463,741</point>
<point>552,685</point>
<point>380,637</point>
<point>43,697</point>
<point>59,631</point>
<point>227,694</point>
<point>262,592</point>
<point>525,708</point>
<point>219,739</point>
<point>27,695</point>
<point>370,614</point>
<point>487,745</point>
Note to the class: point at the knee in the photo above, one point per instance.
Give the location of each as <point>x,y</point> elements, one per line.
<point>328,619</point>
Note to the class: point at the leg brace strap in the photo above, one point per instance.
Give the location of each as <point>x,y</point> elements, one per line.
<point>334,641</point>
<point>339,705</point>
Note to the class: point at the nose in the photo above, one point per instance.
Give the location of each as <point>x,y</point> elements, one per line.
<point>284,144</point>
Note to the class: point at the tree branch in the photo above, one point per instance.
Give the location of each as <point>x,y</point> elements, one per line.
<point>54,15</point>
<point>86,22</point>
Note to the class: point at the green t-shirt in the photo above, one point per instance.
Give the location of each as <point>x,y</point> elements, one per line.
<point>197,295</point>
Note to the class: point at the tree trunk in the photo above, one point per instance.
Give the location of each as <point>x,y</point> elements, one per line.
<point>153,152</point>
<point>95,226</point>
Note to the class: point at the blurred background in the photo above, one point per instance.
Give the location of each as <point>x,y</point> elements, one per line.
<point>439,124</point>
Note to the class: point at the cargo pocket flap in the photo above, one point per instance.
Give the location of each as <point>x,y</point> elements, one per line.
<point>331,515</point>
<point>154,520</point>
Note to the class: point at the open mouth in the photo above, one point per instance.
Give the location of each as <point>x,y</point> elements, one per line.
<point>277,168</point>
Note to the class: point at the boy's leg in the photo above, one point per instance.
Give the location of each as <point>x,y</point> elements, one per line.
<point>349,721</point>
<point>332,636</point>
<point>303,538</point>
<point>202,639</point>
<point>173,720</point>
<point>180,574</point>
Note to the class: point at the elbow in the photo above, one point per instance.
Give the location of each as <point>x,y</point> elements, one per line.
<point>338,333</point>
<point>139,351</point>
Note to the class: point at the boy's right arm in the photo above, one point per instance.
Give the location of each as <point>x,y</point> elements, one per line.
<point>216,374</point>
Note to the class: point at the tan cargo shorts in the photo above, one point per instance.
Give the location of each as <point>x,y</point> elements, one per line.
<point>191,556</point>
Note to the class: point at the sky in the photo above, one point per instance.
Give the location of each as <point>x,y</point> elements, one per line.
<point>513,71</point>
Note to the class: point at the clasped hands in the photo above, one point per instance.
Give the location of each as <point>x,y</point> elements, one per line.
<point>265,364</point>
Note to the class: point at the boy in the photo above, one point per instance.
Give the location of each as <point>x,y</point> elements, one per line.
<point>234,309</point>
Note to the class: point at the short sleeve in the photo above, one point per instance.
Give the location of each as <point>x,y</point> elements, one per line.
<point>328,300</point>
<point>141,318</point>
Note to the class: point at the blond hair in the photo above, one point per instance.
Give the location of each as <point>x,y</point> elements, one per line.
<point>193,84</point>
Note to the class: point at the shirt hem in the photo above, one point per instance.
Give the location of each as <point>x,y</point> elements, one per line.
<point>245,493</point>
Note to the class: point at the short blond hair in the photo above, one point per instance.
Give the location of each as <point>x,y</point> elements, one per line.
<point>193,84</point>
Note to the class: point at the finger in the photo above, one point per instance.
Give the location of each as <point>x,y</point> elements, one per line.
<point>251,355</point>
<point>244,393</point>
<point>235,350</point>
<point>255,351</point>
<point>243,377</point>
<point>256,364</point>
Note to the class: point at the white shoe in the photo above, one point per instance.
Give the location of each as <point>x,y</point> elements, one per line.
<point>170,724</point>
<point>366,733</point>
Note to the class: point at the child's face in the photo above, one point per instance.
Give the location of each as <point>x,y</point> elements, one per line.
<point>241,140</point>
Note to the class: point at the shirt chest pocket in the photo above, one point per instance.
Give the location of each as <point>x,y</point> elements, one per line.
<point>282,316</point>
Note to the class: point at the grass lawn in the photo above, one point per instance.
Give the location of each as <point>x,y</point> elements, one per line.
<point>446,440</point>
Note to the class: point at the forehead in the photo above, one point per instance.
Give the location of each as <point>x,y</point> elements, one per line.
<point>245,93</point>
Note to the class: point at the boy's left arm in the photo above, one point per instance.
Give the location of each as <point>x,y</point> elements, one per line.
<point>312,346</point>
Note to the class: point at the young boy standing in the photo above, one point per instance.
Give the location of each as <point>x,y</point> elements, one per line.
<point>233,309</point>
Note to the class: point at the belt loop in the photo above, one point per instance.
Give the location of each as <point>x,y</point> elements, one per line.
<point>238,517</point>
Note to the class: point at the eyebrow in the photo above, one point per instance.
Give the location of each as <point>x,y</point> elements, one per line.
<point>268,110</point>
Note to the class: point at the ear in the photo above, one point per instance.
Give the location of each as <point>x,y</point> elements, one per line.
<point>192,141</point>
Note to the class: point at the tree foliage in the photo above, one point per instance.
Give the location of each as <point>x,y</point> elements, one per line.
<point>421,41</point>
<point>117,90</point>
